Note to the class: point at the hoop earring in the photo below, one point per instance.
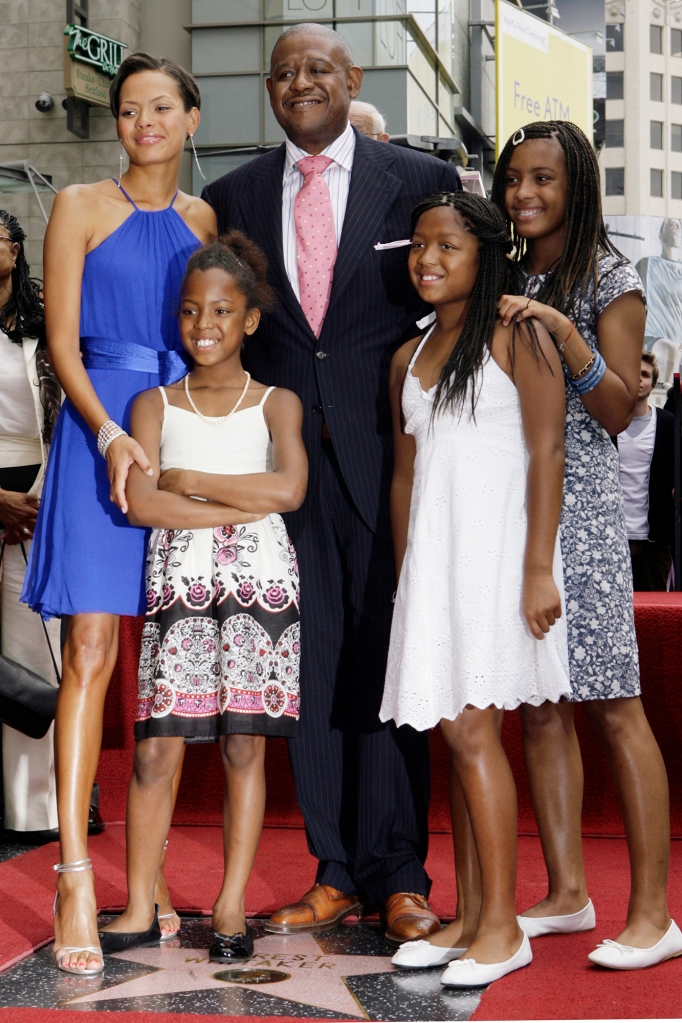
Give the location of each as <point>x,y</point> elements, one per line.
<point>196,158</point>
<point>120,163</point>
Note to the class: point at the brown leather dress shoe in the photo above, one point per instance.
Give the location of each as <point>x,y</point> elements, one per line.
<point>320,909</point>
<point>408,918</point>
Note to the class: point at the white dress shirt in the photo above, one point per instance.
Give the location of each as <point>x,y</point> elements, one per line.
<point>337,177</point>
<point>635,451</point>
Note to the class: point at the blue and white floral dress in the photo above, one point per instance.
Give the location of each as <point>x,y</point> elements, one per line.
<point>602,644</point>
<point>221,642</point>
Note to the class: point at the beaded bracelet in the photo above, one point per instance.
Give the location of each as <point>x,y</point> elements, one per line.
<point>108,432</point>
<point>591,379</point>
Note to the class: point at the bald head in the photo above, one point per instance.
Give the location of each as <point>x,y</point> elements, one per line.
<point>312,30</point>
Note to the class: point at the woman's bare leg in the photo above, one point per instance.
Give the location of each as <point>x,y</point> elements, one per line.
<point>161,895</point>
<point>490,797</point>
<point>460,933</point>
<point>555,773</point>
<point>88,660</point>
<point>150,808</point>
<point>244,809</point>
<point>641,782</point>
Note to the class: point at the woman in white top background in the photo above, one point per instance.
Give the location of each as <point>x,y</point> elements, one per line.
<point>29,403</point>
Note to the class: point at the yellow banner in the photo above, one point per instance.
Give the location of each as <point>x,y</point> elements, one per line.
<point>542,74</point>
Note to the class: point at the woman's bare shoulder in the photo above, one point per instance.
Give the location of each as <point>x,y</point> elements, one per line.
<point>88,196</point>
<point>198,215</point>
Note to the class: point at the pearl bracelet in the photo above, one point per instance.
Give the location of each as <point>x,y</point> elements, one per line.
<point>108,432</point>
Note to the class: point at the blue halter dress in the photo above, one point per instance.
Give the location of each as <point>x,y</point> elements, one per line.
<point>85,556</point>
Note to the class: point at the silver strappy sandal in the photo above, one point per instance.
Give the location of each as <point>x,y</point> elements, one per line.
<point>167,916</point>
<point>66,950</point>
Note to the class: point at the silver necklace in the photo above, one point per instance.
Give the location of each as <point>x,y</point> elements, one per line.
<point>213,420</point>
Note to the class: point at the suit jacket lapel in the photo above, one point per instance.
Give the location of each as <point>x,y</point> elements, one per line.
<point>261,207</point>
<point>373,190</point>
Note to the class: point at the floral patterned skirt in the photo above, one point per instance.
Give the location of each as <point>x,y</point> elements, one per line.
<point>221,640</point>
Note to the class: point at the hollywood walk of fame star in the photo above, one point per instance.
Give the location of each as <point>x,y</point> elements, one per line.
<point>315,978</point>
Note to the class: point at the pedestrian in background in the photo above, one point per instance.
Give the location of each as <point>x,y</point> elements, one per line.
<point>646,457</point>
<point>29,404</point>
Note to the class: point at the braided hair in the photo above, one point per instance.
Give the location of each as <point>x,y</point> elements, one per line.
<point>243,260</point>
<point>23,315</point>
<point>586,239</point>
<point>485,221</point>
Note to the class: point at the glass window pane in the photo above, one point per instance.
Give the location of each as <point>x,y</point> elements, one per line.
<point>614,84</point>
<point>656,133</point>
<point>224,50</point>
<point>231,109</point>
<point>215,166</point>
<point>422,116</point>
<point>360,38</point>
<point>273,132</point>
<point>353,8</point>
<point>615,181</point>
<point>204,11</point>
<point>676,185</point>
<point>656,87</point>
<point>676,138</point>
<point>614,134</point>
<point>298,10</point>
<point>655,39</point>
<point>675,42</point>
<point>614,38</point>
<point>675,89</point>
<point>656,189</point>
<point>390,44</point>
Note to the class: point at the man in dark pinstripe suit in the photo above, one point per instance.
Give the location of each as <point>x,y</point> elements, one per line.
<point>363,787</point>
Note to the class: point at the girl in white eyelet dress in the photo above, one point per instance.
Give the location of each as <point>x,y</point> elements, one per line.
<point>459,636</point>
<point>475,505</point>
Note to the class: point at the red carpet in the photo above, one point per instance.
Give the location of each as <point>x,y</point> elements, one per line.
<point>68,1016</point>
<point>560,984</point>
<point>659,630</point>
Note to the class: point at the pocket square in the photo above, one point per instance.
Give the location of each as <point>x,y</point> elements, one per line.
<point>392,245</point>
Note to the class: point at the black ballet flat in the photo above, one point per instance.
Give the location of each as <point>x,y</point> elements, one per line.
<point>116,941</point>
<point>230,947</point>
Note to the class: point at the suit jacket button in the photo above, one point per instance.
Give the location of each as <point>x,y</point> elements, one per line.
<point>317,409</point>
<point>321,355</point>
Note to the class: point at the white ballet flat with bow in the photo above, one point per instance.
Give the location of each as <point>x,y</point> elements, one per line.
<point>570,923</point>
<point>420,955</point>
<point>469,973</point>
<point>65,950</point>
<point>625,957</point>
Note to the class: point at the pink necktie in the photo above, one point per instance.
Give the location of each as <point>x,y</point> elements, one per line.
<point>315,240</point>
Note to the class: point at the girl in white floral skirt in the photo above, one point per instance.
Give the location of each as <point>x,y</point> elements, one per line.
<point>220,648</point>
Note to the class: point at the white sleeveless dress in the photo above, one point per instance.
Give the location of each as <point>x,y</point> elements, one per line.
<point>221,643</point>
<point>459,636</point>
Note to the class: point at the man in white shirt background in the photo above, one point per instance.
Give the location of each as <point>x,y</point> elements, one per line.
<point>646,477</point>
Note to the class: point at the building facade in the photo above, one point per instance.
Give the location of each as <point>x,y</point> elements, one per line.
<point>642,156</point>
<point>32,63</point>
<point>414,54</point>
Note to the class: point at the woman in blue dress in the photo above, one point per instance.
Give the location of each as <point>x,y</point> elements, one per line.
<point>115,253</point>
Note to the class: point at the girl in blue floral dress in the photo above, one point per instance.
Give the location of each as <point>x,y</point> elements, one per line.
<point>221,648</point>
<point>591,300</point>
